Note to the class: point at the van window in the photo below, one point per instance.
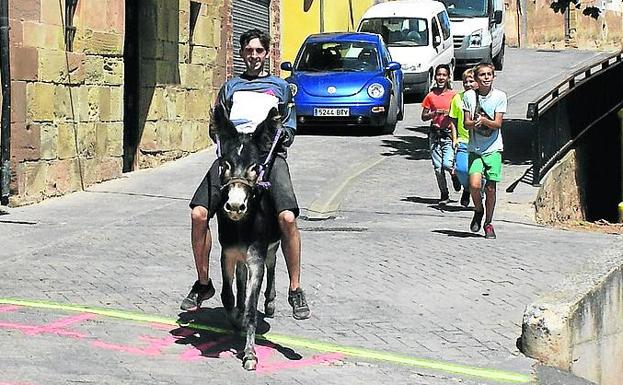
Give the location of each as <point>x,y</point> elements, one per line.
<point>445,24</point>
<point>435,28</point>
<point>467,8</point>
<point>398,31</point>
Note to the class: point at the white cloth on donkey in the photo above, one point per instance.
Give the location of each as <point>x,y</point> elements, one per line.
<point>250,108</point>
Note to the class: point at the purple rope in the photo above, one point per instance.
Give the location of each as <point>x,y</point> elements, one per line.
<point>261,182</point>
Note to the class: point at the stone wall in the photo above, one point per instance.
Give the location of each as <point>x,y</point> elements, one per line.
<point>546,28</point>
<point>561,196</point>
<point>67,121</point>
<point>177,77</point>
<point>67,107</point>
<point>578,326</point>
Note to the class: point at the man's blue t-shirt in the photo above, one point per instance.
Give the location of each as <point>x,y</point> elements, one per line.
<point>248,100</point>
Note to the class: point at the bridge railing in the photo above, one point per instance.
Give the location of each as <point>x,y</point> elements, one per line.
<point>567,112</point>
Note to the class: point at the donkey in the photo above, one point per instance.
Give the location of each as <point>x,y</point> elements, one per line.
<point>247,223</point>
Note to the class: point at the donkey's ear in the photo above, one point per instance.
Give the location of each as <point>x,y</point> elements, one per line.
<point>220,125</point>
<point>266,131</point>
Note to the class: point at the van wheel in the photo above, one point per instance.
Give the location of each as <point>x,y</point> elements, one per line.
<point>428,84</point>
<point>498,61</point>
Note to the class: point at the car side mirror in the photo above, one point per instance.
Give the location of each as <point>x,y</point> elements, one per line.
<point>393,66</point>
<point>497,17</point>
<point>286,66</point>
<point>437,40</point>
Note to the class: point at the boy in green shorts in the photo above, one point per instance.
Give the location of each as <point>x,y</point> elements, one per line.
<point>484,110</point>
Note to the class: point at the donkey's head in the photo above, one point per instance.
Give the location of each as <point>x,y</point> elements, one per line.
<point>241,160</point>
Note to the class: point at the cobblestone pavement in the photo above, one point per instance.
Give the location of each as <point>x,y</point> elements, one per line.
<point>392,273</point>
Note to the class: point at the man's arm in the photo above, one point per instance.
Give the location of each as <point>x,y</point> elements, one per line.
<point>288,117</point>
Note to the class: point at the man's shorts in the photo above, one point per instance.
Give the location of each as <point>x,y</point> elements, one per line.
<point>488,165</point>
<point>281,192</point>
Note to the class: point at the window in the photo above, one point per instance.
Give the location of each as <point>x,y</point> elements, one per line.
<point>195,8</point>
<point>398,31</point>
<point>343,56</point>
<point>445,24</point>
<point>435,29</point>
<point>70,29</point>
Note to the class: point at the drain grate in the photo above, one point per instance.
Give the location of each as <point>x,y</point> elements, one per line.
<point>335,229</point>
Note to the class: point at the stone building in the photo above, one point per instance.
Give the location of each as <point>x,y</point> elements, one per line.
<point>102,87</point>
<point>547,29</point>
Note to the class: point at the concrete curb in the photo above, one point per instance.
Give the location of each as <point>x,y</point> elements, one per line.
<point>578,327</point>
<point>547,375</point>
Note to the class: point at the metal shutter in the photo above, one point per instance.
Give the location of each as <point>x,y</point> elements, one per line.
<point>248,14</point>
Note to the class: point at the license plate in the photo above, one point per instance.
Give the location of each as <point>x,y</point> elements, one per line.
<point>331,112</point>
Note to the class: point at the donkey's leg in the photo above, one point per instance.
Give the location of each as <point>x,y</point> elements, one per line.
<point>228,267</point>
<point>241,289</point>
<point>255,265</point>
<point>270,294</point>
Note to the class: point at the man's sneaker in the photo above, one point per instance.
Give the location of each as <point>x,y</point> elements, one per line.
<point>445,199</point>
<point>197,295</point>
<point>465,198</point>
<point>476,221</point>
<point>456,183</point>
<point>300,309</point>
<point>489,233</point>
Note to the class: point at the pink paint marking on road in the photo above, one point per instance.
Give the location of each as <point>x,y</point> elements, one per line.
<point>274,366</point>
<point>154,347</point>
<point>59,327</point>
<point>15,383</point>
<point>7,309</point>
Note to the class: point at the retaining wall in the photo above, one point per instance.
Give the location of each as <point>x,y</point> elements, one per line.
<point>579,326</point>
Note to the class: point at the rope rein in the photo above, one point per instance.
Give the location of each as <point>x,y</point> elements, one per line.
<point>261,183</point>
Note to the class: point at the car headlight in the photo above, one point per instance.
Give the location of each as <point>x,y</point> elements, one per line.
<point>412,67</point>
<point>293,89</point>
<point>376,90</point>
<point>475,39</point>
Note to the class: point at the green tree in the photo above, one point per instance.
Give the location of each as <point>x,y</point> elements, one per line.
<point>562,5</point>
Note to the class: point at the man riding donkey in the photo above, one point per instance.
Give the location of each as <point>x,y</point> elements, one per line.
<point>246,100</point>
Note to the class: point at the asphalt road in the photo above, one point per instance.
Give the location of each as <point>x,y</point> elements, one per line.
<point>401,291</point>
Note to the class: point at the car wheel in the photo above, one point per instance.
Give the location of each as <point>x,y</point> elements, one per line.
<point>392,117</point>
<point>498,61</point>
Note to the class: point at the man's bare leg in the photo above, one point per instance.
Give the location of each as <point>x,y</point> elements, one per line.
<point>291,247</point>
<point>201,240</point>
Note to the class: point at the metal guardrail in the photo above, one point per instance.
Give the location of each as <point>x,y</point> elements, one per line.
<point>567,112</point>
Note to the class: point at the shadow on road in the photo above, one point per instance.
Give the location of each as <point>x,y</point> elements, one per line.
<point>427,201</point>
<point>458,234</point>
<point>217,337</point>
<point>433,204</point>
<point>338,131</point>
<point>411,147</point>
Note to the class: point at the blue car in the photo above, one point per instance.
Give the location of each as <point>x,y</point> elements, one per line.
<point>346,79</point>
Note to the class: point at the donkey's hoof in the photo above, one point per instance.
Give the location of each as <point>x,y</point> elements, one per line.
<point>269,309</point>
<point>250,363</point>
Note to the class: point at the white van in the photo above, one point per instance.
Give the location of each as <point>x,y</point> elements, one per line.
<point>417,34</point>
<point>478,29</point>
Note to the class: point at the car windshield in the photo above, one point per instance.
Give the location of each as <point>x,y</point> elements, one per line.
<point>338,56</point>
<point>398,31</point>
<point>466,8</point>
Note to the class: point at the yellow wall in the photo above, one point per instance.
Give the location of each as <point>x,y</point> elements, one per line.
<point>296,25</point>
